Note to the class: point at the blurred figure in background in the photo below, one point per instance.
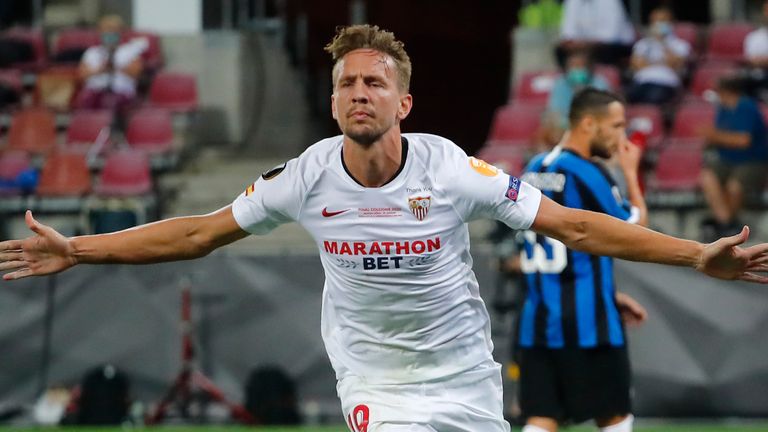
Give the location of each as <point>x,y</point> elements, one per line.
<point>736,160</point>
<point>756,58</point>
<point>110,70</point>
<point>577,74</point>
<point>600,25</point>
<point>658,61</point>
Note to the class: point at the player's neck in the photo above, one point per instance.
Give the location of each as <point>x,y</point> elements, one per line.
<point>376,164</point>
<point>576,143</point>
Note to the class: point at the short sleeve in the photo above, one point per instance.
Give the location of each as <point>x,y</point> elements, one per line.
<point>274,199</point>
<point>480,190</point>
<point>681,48</point>
<point>93,56</point>
<point>754,45</point>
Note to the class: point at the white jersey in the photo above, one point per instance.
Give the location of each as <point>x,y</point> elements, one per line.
<point>400,302</point>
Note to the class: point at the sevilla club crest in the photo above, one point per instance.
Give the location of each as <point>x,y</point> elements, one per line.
<point>419,206</point>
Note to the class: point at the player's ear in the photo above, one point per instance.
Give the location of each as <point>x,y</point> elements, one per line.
<point>406,103</point>
<point>333,107</point>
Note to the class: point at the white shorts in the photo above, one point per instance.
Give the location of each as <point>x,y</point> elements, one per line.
<point>467,402</point>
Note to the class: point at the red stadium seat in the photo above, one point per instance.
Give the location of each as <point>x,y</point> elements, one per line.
<point>33,130</point>
<point>85,128</point>
<point>153,55</point>
<point>690,118</point>
<point>515,125</point>
<point>678,167</point>
<point>74,40</point>
<point>174,91</point>
<point>688,32</point>
<point>509,159</point>
<point>36,39</point>
<point>126,173</point>
<point>726,41</point>
<point>706,76</point>
<point>12,79</point>
<point>11,165</point>
<point>150,130</point>
<point>64,175</point>
<point>647,119</point>
<point>534,87</point>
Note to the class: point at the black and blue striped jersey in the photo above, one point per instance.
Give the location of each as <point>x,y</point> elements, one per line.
<point>570,294</point>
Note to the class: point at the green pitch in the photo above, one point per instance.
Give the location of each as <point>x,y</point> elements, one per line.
<point>657,428</point>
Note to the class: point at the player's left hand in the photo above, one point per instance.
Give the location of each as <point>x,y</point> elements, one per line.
<point>725,259</point>
<point>632,313</point>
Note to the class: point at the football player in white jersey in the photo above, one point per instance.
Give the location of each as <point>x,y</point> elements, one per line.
<point>402,321</point>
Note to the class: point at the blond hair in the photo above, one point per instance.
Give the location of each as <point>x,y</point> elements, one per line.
<point>366,36</point>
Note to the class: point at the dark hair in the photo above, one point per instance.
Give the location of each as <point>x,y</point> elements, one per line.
<point>586,54</point>
<point>591,101</point>
<point>731,84</point>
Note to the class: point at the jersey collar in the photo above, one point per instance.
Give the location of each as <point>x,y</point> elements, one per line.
<point>403,156</point>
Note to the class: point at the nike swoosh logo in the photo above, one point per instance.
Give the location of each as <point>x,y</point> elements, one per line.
<point>327,213</point>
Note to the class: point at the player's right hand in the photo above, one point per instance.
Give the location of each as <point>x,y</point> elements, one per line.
<point>629,156</point>
<point>46,252</point>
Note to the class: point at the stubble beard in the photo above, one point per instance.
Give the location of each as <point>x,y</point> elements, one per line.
<point>365,137</point>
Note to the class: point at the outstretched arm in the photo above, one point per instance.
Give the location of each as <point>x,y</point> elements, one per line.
<point>47,251</point>
<point>600,234</point>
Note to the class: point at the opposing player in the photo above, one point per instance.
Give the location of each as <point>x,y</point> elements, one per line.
<point>573,358</point>
<point>402,321</point>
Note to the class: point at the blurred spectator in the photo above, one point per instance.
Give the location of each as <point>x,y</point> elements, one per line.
<point>577,74</point>
<point>600,25</point>
<point>110,70</point>
<point>736,160</point>
<point>658,61</point>
<point>756,57</point>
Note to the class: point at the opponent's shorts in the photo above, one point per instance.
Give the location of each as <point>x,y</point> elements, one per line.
<point>575,384</point>
<point>470,401</point>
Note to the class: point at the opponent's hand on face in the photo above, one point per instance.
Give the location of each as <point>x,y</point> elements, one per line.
<point>725,259</point>
<point>632,313</point>
<point>45,252</point>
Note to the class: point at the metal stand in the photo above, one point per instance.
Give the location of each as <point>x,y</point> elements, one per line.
<point>191,383</point>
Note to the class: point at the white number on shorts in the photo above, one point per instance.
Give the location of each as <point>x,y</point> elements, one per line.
<point>539,262</point>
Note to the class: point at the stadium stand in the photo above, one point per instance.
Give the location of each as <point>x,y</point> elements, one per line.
<point>153,55</point>
<point>649,120</point>
<point>534,87</point>
<point>726,41</point>
<point>174,91</point>
<point>612,75</point>
<point>688,32</point>
<point>12,164</point>
<point>33,130</point>
<point>514,125</point>
<point>71,43</point>
<point>509,159</point>
<point>690,117</point>
<point>126,173</point>
<point>678,167</point>
<point>36,39</point>
<point>64,175</point>
<point>705,77</point>
<point>56,88</point>
<point>150,130</point>
<point>86,127</point>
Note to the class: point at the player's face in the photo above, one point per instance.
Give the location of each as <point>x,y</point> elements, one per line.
<point>367,100</point>
<point>608,131</point>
